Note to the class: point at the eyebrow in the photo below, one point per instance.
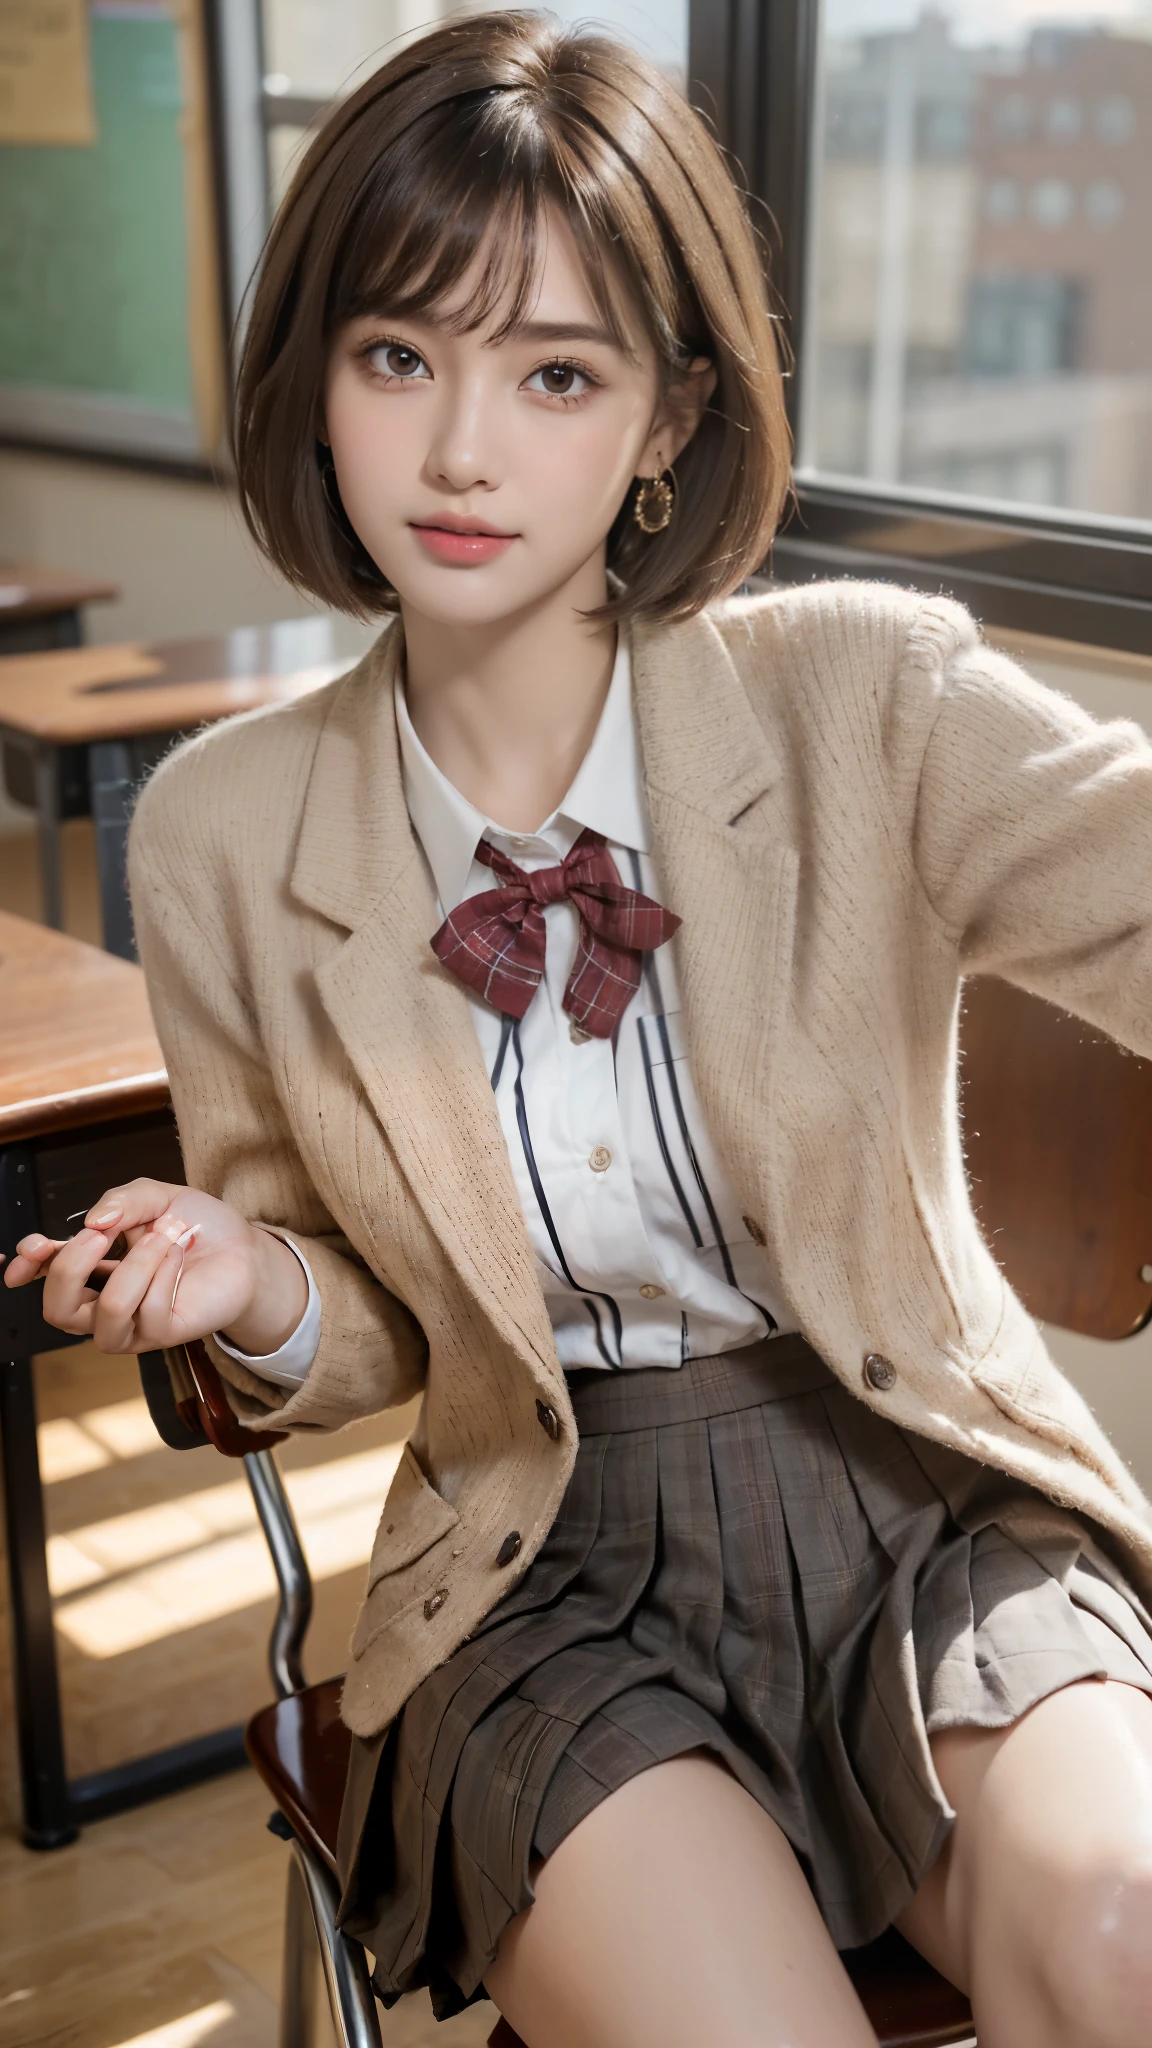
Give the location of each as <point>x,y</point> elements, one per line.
<point>564,330</point>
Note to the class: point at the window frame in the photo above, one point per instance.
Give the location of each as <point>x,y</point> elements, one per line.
<point>753,73</point>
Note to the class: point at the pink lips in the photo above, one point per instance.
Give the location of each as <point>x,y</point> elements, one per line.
<point>462,546</point>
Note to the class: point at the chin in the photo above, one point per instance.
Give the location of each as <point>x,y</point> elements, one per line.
<point>470,597</point>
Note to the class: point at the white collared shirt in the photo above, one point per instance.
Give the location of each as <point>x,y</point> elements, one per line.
<point>639,1244</point>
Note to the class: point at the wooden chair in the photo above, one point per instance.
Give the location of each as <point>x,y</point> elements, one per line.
<point>1059,1133</point>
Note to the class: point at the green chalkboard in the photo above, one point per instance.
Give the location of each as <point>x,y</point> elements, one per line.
<point>94,316</point>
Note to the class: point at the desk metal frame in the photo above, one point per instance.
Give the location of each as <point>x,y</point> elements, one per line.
<point>21,633</point>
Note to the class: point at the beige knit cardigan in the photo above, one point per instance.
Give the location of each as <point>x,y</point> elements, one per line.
<point>854,804</point>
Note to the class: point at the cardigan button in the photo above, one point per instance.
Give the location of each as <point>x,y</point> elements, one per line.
<point>879,1373</point>
<point>755,1230</point>
<point>435,1602</point>
<point>549,1420</point>
<point>510,1548</point>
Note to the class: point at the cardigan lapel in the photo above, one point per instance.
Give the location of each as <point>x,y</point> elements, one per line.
<point>404,1021</point>
<point>721,838</point>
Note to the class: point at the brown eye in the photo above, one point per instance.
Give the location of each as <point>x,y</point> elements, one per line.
<point>394,359</point>
<point>559,380</point>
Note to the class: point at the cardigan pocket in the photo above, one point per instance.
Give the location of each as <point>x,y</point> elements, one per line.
<point>415,1517</point>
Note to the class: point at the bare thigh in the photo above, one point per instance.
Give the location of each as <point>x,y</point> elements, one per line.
<point>675,1912</point>
<point>1040,1906</point>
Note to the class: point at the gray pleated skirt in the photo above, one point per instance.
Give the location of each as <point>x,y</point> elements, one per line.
<point>748,1561</point>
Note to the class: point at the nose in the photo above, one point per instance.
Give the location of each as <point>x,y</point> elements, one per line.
<point>463,454</point>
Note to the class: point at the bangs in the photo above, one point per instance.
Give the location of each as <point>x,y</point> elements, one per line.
<point>465,199</point>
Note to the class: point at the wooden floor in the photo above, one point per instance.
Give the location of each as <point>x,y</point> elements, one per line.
<point>162,1928</point>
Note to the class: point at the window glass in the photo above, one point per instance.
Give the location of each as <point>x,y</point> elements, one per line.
<point>979,319</point>
<point>321,47</point>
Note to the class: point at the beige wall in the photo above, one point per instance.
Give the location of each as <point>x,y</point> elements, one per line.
<point>186,566</point>
<point>177,548</point>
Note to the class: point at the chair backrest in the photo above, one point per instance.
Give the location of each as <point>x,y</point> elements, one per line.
<point>1058,1134</point>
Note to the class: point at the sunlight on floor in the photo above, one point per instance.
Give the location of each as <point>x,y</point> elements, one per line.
<point>135,1578</point>
<point>74,1444</point>
<point>187,2032</point>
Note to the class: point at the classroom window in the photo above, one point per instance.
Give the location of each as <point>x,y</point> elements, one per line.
<point>978,317</point>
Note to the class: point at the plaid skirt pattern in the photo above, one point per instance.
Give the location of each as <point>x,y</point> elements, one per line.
<point>748,1561</point>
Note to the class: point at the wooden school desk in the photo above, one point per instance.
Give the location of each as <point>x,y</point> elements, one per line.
<point>83,1104</point>
<point>41,607</point>
<point>81,728</point>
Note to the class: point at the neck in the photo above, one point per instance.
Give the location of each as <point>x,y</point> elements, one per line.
<point>508,710</point>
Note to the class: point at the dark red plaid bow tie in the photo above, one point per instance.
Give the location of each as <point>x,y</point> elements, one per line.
<point>495,941</point>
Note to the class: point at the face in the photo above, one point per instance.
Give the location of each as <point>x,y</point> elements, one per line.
<point>483,477</point>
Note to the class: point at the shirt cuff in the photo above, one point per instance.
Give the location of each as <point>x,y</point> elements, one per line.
<point>287,1367</point>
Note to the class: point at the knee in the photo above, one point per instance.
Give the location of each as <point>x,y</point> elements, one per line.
<point>1093,1969</point>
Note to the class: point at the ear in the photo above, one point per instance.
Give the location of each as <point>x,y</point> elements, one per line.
<point>677,417</point>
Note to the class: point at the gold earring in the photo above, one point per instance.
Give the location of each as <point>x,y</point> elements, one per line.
<point>654,501</point>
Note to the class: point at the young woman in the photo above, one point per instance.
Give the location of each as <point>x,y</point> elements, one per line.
<point>561,1019</point>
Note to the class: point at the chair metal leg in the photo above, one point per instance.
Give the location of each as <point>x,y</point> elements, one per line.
<point>291,1568</point>
<point>311,1930</point>
<point>300,1974</point>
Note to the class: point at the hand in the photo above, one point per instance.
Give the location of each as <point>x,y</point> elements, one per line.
<point>192,1265</point>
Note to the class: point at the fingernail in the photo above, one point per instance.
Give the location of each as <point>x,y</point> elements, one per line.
<point>105,1216</point>
<point>184,1241</point>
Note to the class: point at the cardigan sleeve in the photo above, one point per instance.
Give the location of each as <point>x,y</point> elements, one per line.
<point>234,1134</point>
<point>1033,831</point>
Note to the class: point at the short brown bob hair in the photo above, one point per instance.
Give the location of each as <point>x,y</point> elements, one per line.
<point>453,148</point>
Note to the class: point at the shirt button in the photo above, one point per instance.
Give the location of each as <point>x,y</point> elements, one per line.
<point>435,1602</point>
<point>651,1293</point>
<point>879,1373</point>
<point>755,1230</point>
<point>510,1548</point>
<point>600,1159</point>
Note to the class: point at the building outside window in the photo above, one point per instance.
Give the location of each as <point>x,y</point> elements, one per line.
<point>979,312</point>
